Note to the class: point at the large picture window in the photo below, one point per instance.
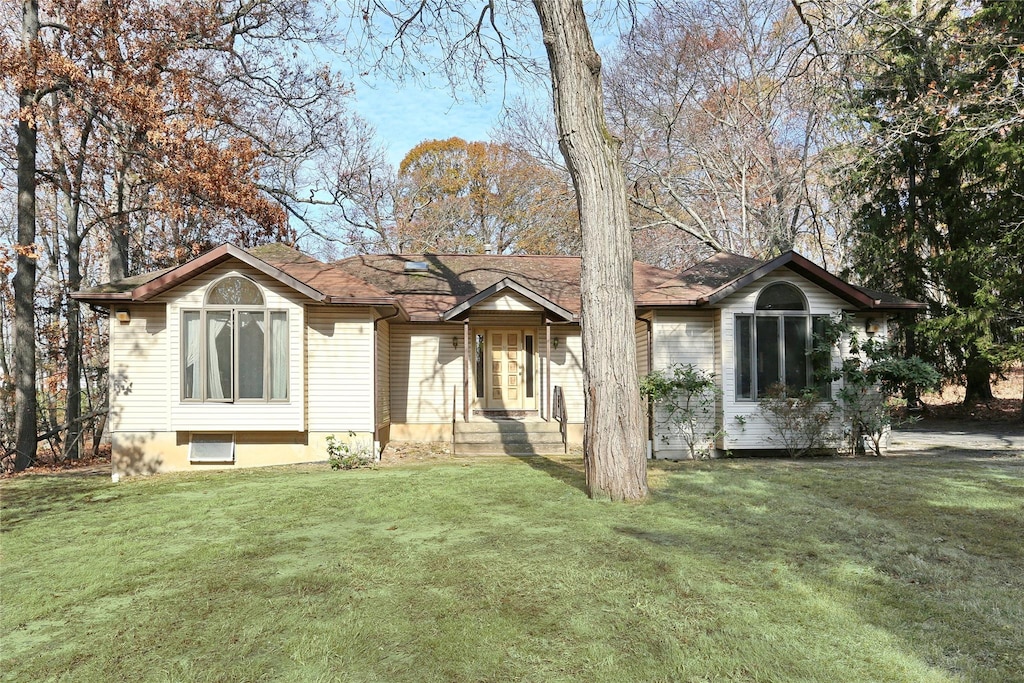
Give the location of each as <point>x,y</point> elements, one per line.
<point>234,348</point>
<point>774,346</point>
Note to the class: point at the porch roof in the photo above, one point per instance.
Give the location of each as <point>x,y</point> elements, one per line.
<point>550,308</point>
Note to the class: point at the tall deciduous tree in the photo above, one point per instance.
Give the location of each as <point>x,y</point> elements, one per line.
<point>614,447</point>
<point>409,31</point>
<point>468,196</point>
<point>25,275</point>
<point>718,103</point>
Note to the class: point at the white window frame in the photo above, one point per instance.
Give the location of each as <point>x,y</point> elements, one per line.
<point>757,392</point>
<point>234,311</point>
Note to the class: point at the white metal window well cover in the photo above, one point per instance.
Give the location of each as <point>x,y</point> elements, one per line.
<point>212,448</point>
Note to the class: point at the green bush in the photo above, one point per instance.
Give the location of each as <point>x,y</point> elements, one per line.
<point>687,396</point>
<point>348,455</point>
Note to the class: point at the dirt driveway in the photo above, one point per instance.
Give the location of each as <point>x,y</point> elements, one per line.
<point>982,439</point>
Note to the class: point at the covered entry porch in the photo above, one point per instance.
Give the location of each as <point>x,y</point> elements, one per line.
<point>515,345</point>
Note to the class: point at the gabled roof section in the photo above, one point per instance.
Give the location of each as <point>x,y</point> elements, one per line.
<point>451,279</point>
<point>710,281</point>
<point>314,279</point>
<point>460,311</point>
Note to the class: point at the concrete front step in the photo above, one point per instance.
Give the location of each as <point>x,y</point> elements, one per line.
<point>493,448</point>
<point>506,427</point>
<point>508,437</point>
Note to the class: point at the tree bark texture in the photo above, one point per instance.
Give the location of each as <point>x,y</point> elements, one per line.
<point>615,455</point>
<point>25,273</point>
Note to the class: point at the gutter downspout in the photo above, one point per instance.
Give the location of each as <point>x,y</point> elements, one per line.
<point>650,406</point>
<point>377,447</point>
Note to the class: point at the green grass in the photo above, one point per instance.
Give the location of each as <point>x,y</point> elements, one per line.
<point>884,570</point>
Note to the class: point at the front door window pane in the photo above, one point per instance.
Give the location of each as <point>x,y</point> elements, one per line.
<point>479,350</point>
<point>529,365</point>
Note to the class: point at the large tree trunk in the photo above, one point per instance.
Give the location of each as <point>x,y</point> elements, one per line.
<point>25,275</point>
<point>615,458</point>
<point>979,379</point>
<point>73,350</point>
<point>117,257</point>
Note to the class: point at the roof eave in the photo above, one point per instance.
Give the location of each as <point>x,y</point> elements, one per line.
<point>803,267</point>
<point>174,277</point>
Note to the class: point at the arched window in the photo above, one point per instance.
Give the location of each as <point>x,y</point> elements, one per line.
<point>234,348</point>
<point>774,346</point>
<point>234,291</point>
<point>781,296</point>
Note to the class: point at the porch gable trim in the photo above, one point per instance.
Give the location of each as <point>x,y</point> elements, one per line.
<point>550,308</point>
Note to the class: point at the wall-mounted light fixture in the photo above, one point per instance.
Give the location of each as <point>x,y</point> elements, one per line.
<point>123,316</point>
<point>554,342</point>
<point>455,342</point>
<point>872,326</point>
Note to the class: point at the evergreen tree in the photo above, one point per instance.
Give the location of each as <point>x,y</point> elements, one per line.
<point>938,177</point>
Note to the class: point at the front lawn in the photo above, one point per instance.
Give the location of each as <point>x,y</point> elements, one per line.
<point>905,569</point>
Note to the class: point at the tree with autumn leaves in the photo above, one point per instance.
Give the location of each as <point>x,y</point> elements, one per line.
<point>468,197</point>
<point>148,132</point>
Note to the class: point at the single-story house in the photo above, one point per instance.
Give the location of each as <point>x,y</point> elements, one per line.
<point>254,357</point>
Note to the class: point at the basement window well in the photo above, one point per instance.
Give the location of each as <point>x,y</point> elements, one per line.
<point>212,448</point>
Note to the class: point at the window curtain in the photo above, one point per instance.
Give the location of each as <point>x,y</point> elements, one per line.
<point>190,378</point>
<point>218,354</point>
<point>278,355</point>
<point>251,353</point>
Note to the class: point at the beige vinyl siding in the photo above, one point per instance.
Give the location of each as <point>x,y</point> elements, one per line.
<point>643,359</point>
<point>139,400</point>
<point>754,432</point>
<point>425,368</point>
<point>506,301</point>
<point>241,416</point>
<point>382,367</point>
<point>687,338</point>
<point>567,369</point>
<point>339,369</point>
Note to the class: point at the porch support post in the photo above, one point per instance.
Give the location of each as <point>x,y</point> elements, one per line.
<point>465,370</point>
<point>549,389</point>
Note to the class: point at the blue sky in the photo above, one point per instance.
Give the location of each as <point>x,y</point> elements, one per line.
<point>408,113</point>
<point>405,115</point>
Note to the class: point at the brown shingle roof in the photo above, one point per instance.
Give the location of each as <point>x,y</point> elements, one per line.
<point>336,284</point>
<point>699,281</point>
<point>453,278</point>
